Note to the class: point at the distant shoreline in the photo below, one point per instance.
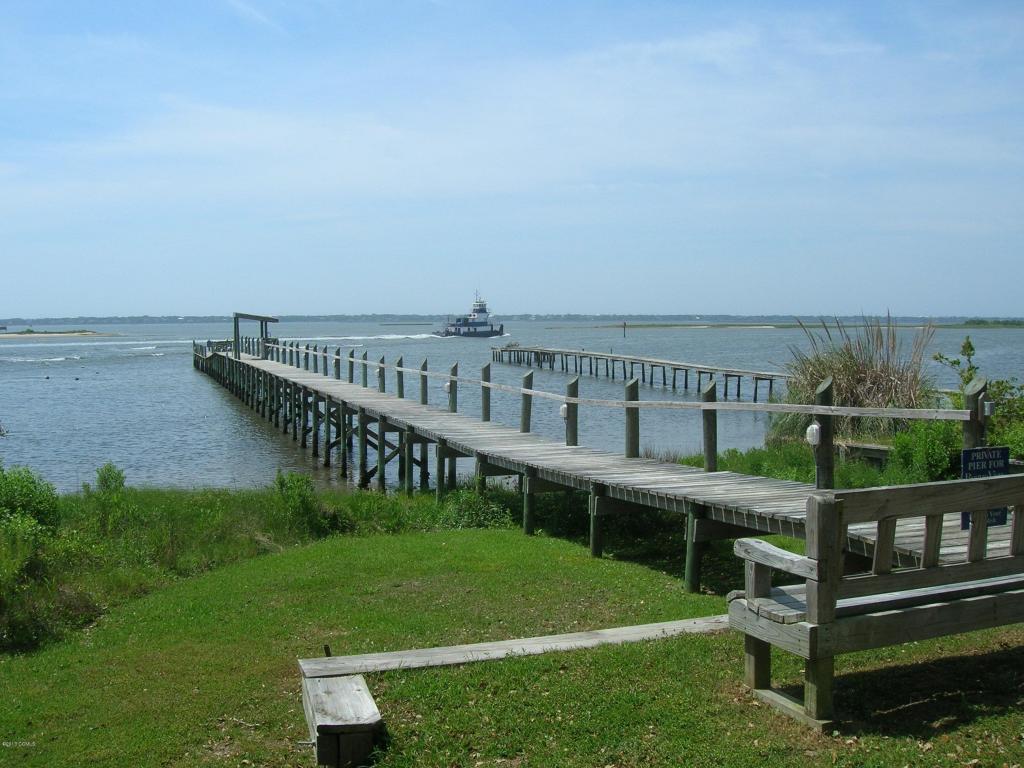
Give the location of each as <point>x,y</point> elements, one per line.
<point>49,334</point>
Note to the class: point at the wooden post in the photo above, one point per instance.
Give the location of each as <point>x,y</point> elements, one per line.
<point>526,408</point>
<point>423,382</point>
<point>974,430</point>
<point>597,492</point>
<point>316,423</point>
<point>344,436</point>
<point>305,359</point>
<point>709,423</point>
<point>424,471</point>
<point>400,378</point>
<point>362,481</point>
<point>824,544</point>
<point>316,368</point>
<point>275,393</point>
<point>366,368</point>
<point>757,664</point>
<point>382,453</point>
<point>453,389</point>
<point>485,393</point>
<point>439,458</point>
<point>304,395</point>
<point>327,431</point>
<point>824,452</point>
<point>337,364</point>
<point>380,375</point>
<point>351,366</point>
<point>529,501</point>
<point>694,549</point>
<point>632,393</point>
<point>452,471</point>
<point>572,389</point>
<point>407,450</point>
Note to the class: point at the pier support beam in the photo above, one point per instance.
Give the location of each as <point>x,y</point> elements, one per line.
<point>382,453</point>
<point>597,513</point>
<point>694,548</point>
<point>529,501</point>
<point>441,451</point>
<point>362,481</point>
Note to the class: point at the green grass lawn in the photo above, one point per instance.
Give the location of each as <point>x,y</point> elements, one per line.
<point>203,671</point>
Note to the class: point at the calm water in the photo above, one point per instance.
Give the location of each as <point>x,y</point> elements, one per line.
<point>133,398</point>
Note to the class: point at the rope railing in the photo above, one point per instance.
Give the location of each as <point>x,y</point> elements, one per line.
<point>819,435</point>
<point>932,414</point>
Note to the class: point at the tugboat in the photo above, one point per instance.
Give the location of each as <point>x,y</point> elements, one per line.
<point>475,325</point>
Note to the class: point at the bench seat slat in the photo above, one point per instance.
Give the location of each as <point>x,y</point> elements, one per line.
<point>787,605</point>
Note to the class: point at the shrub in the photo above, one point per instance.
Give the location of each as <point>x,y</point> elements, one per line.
<point>1006,426</point>
<point>926,451</point>
<point>109,479</point>
<point>466,509</point>
<point>306,515</point>
<point>869,368</point>
<point>24,492</point>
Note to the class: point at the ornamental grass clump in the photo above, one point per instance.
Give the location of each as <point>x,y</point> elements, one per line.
<point>870,368</point>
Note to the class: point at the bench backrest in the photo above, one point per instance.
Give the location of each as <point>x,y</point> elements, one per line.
<point>923,509</point>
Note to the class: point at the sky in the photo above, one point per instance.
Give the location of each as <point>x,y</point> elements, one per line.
<point>336,156</point>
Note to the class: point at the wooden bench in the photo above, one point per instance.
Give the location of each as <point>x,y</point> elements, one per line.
<point>961,581</point>
<point>343,719</point>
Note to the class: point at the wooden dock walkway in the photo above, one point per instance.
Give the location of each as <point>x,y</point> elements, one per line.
<point>304,393</point>
<point>575,360</point>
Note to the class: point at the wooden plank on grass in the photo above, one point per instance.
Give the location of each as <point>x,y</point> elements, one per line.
<point>333,666</point>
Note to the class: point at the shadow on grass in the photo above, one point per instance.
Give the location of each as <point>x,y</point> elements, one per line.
<point>926,699</point>
<point>652,538</point>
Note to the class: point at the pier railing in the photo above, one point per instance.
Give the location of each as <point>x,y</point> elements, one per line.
<point>358,370</point>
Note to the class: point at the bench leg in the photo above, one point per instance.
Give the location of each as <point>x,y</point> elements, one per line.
<point>818,675</point>
<point>757,668</point>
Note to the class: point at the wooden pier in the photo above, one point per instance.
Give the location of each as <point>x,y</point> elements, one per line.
<point>340,407</point>
<point>581,361</point>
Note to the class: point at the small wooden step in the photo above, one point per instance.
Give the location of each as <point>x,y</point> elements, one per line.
<point>343,719</point>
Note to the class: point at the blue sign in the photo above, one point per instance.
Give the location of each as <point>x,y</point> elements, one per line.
<point>985,462</point>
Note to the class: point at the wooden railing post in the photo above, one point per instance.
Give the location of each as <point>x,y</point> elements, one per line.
<point>305,359</point>
<point>366,368</point>
<point>423,382</point>
<point>572,410</point>
<point>399,378</point>
<point>709,424</point>
<point>337,364</point>
<point>974,430</point>
<point>453,388</point>
<point>485,393</point>
<point>351,366</point>
<point>526,410</point>
<point>824,451</point>
<point>632,393</point>
<point>381,375</point>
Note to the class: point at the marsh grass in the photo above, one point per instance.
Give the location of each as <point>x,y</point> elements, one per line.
<point>869,366</point>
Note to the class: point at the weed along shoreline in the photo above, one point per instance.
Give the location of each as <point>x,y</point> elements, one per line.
<point>620,607</point>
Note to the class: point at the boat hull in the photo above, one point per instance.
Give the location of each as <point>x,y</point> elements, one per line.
<point>472,333</point>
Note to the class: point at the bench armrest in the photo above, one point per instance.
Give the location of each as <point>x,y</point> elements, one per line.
<point>763,553</point>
